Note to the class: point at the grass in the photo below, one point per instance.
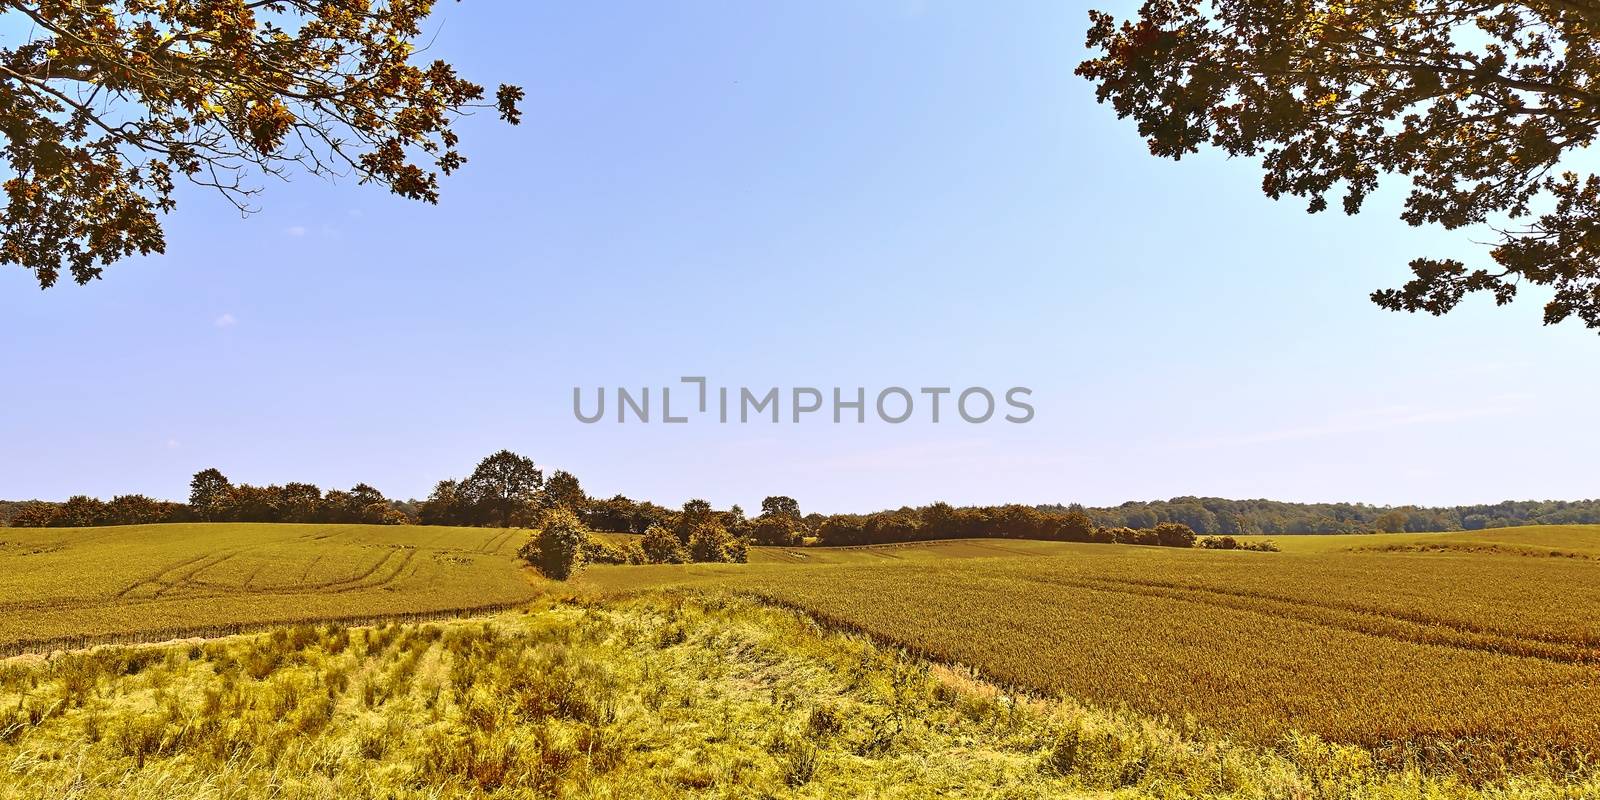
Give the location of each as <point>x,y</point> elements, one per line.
<point>65,586</point>
<point>660,696</point>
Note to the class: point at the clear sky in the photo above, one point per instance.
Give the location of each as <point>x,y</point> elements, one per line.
<point>794,194</point>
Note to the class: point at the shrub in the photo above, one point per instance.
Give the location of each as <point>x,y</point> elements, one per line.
<point>1075,526</point>
<point>660,546</point>
<point>737,549</point>
<point>1174,534</point>
<point>632,553</point>
<point>1126,536</point>
<point>709,541</point>
<point>558,548</point>
<point>598,551</point>
<point>1230,543</point>
<point>35,515</point>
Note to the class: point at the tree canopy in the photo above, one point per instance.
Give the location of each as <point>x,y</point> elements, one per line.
<point>107,104</point>
<point>1481,105</point>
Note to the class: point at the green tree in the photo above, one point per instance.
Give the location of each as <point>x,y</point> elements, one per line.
<point>108,104</point>
<point>775,530</point>
<point>1075,526</point>
<point>781,505</point>
<point>503,490</point>
<point>446,505</point>
<point>843,530</point>
<point>246,503</point>
<point>80,511</point>
<point>136,509</point>
<point>299,502</point>
<point>1196,516</point>
<point>208,493</point>
<point>1480,106</point>
<point>563,490</point>
<point>694,514</point>
<point>893,526</point>
<point>1392,521</point>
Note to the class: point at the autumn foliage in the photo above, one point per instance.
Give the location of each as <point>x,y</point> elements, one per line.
<point>106,104</point>
<point>1479,108</point>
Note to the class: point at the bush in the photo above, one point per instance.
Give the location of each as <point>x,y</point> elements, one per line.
<point>1230,543</point>
<point>1126,536</point>
<point>660,546</point>
<point>35,515</point>
<point>1174,534</point>
<point>709,541</point>
<point>558,548</point>
<point>1075,526</point>
<point>737,549</point>
<point>597,551</point>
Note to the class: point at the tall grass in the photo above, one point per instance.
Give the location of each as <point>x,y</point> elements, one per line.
<point>679,695</point>
<point>1479,664</point>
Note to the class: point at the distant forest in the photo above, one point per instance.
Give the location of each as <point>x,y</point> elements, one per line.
<point>1216,515</point>
<point>509,489</point>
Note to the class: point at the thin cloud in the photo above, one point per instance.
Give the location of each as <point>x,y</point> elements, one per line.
<point>295,230</point>
<point>225,321</point>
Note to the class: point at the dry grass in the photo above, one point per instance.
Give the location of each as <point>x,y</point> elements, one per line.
<point>1480,662</point>
<point>665,696</point>
<point>1468,654</point>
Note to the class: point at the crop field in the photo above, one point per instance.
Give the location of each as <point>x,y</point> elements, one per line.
<point>1473,653</point>
<point>64,584</point>
<point>662,696</point>
<point>1572,541</point>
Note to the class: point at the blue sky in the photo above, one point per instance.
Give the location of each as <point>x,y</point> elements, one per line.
<point>795,194</point>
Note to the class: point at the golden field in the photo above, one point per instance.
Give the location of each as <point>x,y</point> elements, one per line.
<point>1467,657</point>
<point>66,586</point>
<point>659,696</point>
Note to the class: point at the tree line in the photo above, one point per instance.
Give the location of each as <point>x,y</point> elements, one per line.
<point>510,490</point>
<point>565,542</point>
<point>1219,516</point>
<point>213,498</point>
<point>504,490</point>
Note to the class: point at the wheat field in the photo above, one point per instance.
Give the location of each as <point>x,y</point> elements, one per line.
<point>668,695</point>
<point>1469,655</point>
<point>65,586</point>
